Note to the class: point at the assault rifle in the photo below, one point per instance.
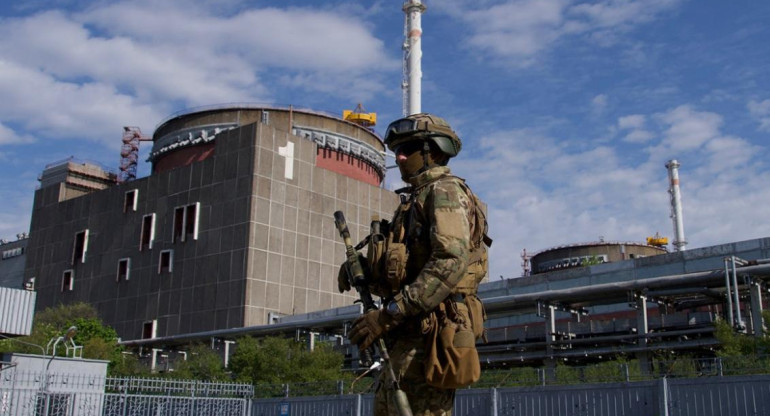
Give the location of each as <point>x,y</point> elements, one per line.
<point>358,280</point>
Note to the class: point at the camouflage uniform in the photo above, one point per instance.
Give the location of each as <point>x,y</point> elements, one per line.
<point>427,272</point>
<point>438,237</point>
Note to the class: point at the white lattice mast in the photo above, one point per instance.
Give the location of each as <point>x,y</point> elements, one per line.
<point>679,242</point>
<point>412,81</point>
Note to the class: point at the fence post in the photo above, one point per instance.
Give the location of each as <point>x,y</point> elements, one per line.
<point>341,387</point>
<point>663,397</point>
<point>286,390</point>
<point>720,369</point>
<point>624,367</point>
<point>493,402</point>
<point>124,398</point>
<point>359,404</point>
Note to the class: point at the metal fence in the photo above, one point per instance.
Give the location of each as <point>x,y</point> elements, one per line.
<point>704,396</point>
<point>25,393</point>
<point>39,393</point>
<point>53,394</point>
<point>168,397</point>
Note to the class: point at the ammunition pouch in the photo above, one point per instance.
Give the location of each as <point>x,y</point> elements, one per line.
<point>395,266</point>
<point>468,287</point>
<point>451,358</point>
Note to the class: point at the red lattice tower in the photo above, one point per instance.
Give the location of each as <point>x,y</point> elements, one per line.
<point>129,153</point>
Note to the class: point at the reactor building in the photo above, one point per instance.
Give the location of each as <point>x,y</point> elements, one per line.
<point>232,228</point>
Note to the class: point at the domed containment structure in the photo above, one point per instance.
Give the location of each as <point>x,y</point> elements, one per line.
<point>584,254</point>
<point>344,147</point>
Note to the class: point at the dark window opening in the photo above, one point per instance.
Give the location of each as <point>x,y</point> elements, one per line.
<point>148,329</point>
<point>178,224</point>
<point>191,221</point>
<point>165,265</point>
<point>129,202</point>
<point>148,232</point>
<point>186,222</point>
<point>67,281</point>
<point>124,266</point>
<point>80,247</point>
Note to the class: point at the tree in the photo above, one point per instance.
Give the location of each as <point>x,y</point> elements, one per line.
<point>99,341</point>
<point>202,364</point>
<point>275,360</point>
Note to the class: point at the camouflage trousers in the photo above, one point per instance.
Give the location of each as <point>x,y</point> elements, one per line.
<point>407,355</point>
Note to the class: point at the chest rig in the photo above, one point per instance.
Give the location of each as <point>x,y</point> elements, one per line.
<point>399,249</point>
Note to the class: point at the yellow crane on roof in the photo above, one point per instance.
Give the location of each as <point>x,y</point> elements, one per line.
<point>360,116</point>
<point>657,241</point>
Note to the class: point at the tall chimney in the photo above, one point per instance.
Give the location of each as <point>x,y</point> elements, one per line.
<point>679,242</point>
<point>412,80</point>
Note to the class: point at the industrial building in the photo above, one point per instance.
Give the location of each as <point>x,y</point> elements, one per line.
<point>576,255</point>
<point>232,228</point>
<point>232,234</point>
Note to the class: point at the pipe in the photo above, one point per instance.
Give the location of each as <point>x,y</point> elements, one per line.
<point>608,293</point>
<point>739,323</point>
<point>728,294</point>
<point>601,294</point>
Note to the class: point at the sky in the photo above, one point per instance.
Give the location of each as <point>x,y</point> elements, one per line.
<point>568,110</point>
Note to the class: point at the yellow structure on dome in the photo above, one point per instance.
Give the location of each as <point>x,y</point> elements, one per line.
<point>360,116</point>
<point>657,241</point>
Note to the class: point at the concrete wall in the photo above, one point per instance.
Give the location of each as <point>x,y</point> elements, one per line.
<point>266,242</point>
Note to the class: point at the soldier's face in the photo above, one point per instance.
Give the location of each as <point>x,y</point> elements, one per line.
<point>409,158</point>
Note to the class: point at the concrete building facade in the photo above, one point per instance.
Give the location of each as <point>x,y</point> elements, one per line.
<point>234,225</point>
<point>12,262</point>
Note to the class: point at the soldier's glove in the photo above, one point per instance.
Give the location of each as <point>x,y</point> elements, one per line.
<point>343,276</point>
<point>343,281</point>
<point>369,327</point>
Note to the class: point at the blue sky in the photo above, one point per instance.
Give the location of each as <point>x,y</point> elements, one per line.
<point>568,109</point>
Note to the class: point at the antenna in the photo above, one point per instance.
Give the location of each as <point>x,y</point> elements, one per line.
<point>412,81</point>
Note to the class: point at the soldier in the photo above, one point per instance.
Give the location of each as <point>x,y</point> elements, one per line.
<point>427,273</point>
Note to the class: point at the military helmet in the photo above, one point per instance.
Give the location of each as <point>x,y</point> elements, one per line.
<point>423,126</point>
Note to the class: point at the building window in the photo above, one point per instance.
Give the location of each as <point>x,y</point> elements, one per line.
<point>124,268</point>
<point>265,117</point>
<point>149,329</point>
<point>148,232</point>
<point>166,263</point>
<point>67,281</point>
<point>186,222</point>
<point>80,247</point>
<point>130,200</point>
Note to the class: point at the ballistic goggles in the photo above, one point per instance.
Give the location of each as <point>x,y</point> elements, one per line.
<point>415,127</point>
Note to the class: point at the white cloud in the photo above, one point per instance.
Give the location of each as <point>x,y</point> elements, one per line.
<point>92,111</point>
<point>760,110</point>
<point>130,62</point>
<point>517,30</point>
<point>9,136</point>
<point>544,192</point>
<point>688,129</point>
<point>635,121</point>
<point>599,103</point>
<point>636,124</point>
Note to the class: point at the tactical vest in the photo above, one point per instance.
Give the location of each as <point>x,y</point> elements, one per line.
<point>398,252</point>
